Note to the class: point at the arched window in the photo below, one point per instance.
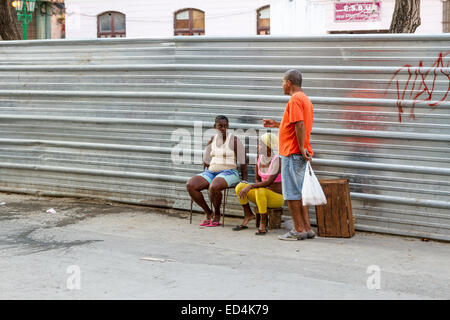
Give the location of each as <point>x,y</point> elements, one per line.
<point>263,20</point>
<point>189,22</point>
<point>111,24</point>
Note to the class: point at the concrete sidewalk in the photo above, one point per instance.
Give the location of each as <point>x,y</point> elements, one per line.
<point>41,254</point>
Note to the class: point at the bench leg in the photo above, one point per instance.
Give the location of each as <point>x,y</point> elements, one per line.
<point>224,205</point>
<point>190,215</point>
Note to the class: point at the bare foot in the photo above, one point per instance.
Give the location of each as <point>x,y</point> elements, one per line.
<point>262,224</point>
<point>215,217</point>
<point>247,219</point>
<point>209,216</point>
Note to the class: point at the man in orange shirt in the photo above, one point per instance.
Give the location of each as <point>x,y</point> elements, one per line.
<point>295,150</point>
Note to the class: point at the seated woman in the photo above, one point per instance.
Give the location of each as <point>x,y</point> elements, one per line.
<point>266,192</point>
<point>222,153</point>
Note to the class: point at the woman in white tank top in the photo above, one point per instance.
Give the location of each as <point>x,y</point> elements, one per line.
<point>222,154</point>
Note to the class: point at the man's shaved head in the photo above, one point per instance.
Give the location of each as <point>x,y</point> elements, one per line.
<point>294,76</point>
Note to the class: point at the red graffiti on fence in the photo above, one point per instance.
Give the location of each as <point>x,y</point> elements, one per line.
<point>421,89</point>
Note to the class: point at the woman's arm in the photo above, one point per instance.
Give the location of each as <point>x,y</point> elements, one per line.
<point>241,157</point>
<point>262,184</point>
<point>259,183</point>
<point>257,177</point>
<point>266,183</point>
<point>207,155</point>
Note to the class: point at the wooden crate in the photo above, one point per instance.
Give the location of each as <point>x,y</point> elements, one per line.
<point>335,219</point>
<point>275,218</point>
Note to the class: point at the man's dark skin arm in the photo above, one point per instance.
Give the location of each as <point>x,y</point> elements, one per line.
<point>270,123</point>
<point>300,132</point>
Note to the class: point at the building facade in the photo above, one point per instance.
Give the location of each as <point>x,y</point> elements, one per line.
<point>91,19</point>
<point>88,19</point>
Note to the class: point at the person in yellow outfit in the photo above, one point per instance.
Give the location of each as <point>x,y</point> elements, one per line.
<point>266,192</point>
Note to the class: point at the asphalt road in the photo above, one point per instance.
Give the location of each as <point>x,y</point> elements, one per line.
<point>94,250</point>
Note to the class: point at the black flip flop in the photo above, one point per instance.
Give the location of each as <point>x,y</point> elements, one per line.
<point>239,228</point>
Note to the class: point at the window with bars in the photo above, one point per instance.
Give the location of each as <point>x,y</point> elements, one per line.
<point>263,20</point>
<point>189,22</point>
<point>111,25</point>
<point>446,16</point>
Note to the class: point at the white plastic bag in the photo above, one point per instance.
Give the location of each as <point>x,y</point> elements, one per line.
<point>312,193</point>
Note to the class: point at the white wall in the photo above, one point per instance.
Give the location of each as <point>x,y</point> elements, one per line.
<point>297,17</point>
<point>431,12</point>
<point>154,18</point>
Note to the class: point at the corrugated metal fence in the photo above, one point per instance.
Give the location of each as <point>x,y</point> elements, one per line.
<point>101,118</point>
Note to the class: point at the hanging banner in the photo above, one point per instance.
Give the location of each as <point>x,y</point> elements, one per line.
<point>357,11</point>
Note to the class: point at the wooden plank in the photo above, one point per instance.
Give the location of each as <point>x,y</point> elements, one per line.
<point>351,224</point>
<point>327,208</point>
<point>327,214</point>
<point>333,215</point>
<point>320,214</point>
<point>343,215</point>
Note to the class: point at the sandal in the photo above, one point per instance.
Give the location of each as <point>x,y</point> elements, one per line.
<point>239,228</point>
<point>261,232</point>
<point>214,224</point>
<point>205,222</point>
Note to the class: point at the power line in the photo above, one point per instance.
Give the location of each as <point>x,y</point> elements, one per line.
<point>167,20</point>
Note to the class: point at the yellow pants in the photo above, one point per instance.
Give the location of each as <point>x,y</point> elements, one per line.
<point>263,197</point>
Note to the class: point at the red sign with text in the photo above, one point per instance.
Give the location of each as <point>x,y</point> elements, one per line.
<point>357,11</point>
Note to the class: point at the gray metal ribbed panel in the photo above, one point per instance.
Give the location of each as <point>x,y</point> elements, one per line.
<point>95,118</point>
